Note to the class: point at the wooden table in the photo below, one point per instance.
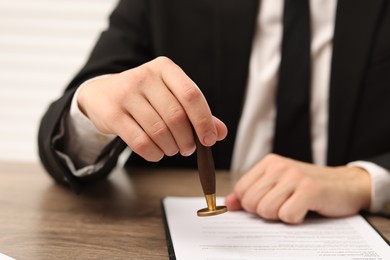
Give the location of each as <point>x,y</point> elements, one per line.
<point>120,218</point>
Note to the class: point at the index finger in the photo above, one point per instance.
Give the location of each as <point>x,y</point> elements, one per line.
<point>192,100</point>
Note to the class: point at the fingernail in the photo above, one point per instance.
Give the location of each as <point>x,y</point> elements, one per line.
<point>210,138</point>
<point>189,152</point>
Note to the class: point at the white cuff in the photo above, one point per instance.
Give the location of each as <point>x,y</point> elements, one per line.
<point>83,143</point>
<point>67,154</point>
<point>87,142</point>
<point>82,125</point>
<point>380,186</point>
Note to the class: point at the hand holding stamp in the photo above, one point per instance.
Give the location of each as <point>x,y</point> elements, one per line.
<point>207,179</point>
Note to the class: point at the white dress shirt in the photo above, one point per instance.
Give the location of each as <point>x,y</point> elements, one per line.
<point>255,130</point>
<point>259,110</point>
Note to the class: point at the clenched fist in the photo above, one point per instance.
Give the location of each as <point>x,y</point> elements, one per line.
<point>152,108</point>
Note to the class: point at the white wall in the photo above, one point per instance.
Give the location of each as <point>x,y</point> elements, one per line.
<point>43,43</point>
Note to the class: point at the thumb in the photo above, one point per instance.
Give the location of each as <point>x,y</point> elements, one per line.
<point>232,202</point>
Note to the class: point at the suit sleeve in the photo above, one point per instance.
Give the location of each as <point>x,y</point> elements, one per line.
<point>124,45</point>
<point>383,160</point>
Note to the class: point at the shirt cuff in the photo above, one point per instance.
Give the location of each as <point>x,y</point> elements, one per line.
<point>70,157</point>
<point>82,142</point>
<point>82,125</point>
<point>380,186</point>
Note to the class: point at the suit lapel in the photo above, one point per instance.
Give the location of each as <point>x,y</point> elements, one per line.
<point>356,21</point>
<point>234,26</point>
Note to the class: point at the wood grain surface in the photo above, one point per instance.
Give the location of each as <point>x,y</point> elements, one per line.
<point>120,218</point>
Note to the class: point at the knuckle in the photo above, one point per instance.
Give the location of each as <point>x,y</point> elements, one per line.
<point>143,146</point>
<point>186,144</point>
<point>266,212</point>
<point>163,60</point>
<point>140,144</point>
<point>123,93</point>
<point>176,115</point>
<point>141,74</point>
<point>272,158</point>
<point>191,93</point>
<point>158,131</point>
<point>204,124</point>
<point>280,167</point>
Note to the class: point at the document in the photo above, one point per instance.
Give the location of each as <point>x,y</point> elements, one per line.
<point>243,236</point>
<point>4,257</point>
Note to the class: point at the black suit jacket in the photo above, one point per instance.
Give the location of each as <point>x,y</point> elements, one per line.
<point>211,40</point>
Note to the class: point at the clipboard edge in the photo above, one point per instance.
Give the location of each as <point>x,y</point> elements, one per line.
<point>171,251</point>
<point>376,230</point>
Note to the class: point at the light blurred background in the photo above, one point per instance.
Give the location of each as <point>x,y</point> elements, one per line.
<point>43,43</point>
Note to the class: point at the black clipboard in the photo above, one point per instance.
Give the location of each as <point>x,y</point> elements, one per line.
<point>171,251</point>
<point>373,227</point>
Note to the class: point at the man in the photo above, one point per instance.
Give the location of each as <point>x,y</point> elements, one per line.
<point>164,67</point>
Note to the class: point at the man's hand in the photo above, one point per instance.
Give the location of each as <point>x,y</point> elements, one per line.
<point>279,188</point>
<point>152,108</point>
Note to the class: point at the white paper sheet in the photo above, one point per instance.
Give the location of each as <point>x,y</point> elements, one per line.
<point>243,236</point>
<point>4,257</point>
